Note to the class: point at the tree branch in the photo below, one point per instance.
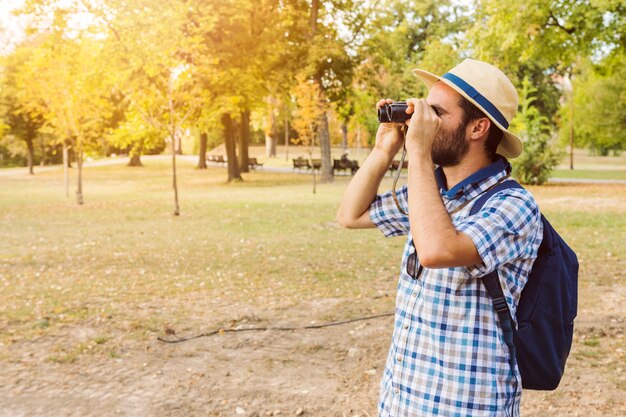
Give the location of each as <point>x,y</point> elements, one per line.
<point>556,23</point>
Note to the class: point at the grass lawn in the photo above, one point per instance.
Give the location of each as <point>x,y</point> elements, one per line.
<point>592,167</point>
<point>598,174</point>
<point>266,239</point>
<point>125,262</point>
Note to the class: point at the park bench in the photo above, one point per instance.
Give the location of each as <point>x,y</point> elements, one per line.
<point>219,159</point>
<point>300,163</point>
<point>253,163</point>
<point>345,165</point>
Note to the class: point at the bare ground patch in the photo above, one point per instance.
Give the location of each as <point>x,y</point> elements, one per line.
<point>326,372</point>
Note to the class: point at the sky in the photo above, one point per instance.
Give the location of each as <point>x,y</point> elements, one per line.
<point>11,27</point>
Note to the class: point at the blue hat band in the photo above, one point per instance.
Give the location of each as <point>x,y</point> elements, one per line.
<point>478,98</point>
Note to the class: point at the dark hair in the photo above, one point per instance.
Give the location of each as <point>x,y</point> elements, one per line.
<point>470,113</point>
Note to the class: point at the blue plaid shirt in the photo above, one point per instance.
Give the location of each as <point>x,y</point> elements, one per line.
<point>448,356</point>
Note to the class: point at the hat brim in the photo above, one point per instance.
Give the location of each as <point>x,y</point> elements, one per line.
<point>510,145</point>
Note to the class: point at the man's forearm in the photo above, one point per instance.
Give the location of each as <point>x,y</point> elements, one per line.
<point>362,190</point>
<point>430,222</point>
<point>437,242</point>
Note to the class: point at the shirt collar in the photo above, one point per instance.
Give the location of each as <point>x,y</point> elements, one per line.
<point>494,168</point>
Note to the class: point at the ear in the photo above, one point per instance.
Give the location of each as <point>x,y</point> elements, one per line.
<point>479,128</point>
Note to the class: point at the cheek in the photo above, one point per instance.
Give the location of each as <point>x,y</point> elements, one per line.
<point>444,132</point>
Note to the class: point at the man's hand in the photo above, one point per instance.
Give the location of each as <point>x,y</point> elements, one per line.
<point>353,211</point>
<point>424,125</point>
<point>389,135</point>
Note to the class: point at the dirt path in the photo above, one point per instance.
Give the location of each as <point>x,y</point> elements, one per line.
<point>327,372</point>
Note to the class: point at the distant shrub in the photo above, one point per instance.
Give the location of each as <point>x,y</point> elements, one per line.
<point>540,156</point>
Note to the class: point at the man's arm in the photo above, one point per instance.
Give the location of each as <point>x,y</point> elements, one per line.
<point>437,242</point>
<point>353,211</point>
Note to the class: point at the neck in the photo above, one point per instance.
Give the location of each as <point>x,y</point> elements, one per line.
<point>465,168</point>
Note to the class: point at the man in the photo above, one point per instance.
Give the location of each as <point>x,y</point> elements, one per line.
<point>447,355</point>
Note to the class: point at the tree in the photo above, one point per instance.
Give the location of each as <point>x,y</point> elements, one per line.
<point>239,61</point>
<point>64,81</point>
<point>148,44</point>
<point>402,36</point>
<point>21,122</point>
<point>540,157</point>
<point>308,114</point>
<point>234,173</point>
<point>552,34</point>
<point>329,63</point>
<point>136,135</point>
<point>545,40</point>
<point>599,101</point>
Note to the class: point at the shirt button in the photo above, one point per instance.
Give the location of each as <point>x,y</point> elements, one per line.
<point>406,326</point>
<point>397,390</point>
<point>414,294</point>
<point>399,358</point>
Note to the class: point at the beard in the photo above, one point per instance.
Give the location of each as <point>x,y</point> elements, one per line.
<point>450,147</point>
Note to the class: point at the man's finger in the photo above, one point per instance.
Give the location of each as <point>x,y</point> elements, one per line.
<point>410,106</point>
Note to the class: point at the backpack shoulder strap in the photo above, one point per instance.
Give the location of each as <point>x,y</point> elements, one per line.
<point>492,284</point>
<point>491,281</point>
<point>482,198</point>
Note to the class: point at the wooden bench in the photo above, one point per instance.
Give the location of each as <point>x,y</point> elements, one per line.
<point>218,159</point>
<point>300,163</point>
<point>345,165</point>
<point>317,163</point>
<point>253,163</point>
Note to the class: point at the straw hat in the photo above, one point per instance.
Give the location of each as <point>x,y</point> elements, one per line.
<point>488,89</point>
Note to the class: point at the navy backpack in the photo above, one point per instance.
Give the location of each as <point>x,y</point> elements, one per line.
<point>546,310</point>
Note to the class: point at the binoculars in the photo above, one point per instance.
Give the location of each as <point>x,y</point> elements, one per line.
<point>393,112</point>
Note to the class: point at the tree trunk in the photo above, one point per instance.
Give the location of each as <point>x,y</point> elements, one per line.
<point>42,148</point>
<point>286,133</point>
<point>179,143</point>
<point>322,130</point>
<point>231,151</point>
<point>30,155</point>
<point>66,165</point>
<point>135,160</point>
<point>324,138</point>
<point>312,170</point>
<point>270,139</point>
<point>79,163</point>
<point>202,154</point>
<point>70,152</point>
<point>135,155</point>
<point>270,146</point>
<point>244,140</point>
<point>313,18</point>
<point>571,130</point>
<point>174,176</point>
<point>344,136</point>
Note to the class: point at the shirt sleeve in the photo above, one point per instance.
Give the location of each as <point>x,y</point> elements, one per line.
<point>387,217</point>
<point>508,227</point>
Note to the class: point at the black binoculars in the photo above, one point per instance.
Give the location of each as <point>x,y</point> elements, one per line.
<point>393,112</point>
